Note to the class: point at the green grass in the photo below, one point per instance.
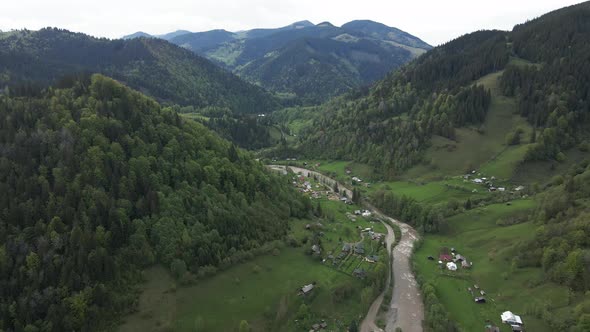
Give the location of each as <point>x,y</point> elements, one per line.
<point>267,299</point>
<point>477,147</point>
<point>504,165</point>
<point>490,247</point>
<point>242,294</point>
<point>542,171</point>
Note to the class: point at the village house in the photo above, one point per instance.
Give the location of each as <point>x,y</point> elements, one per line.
<point>316,249</point>
<point>359,273</point>
<point>445,257</point>
<point>306,289</point>
<point>513,320</point>
<point>359,249</point>
<point>372,259</point>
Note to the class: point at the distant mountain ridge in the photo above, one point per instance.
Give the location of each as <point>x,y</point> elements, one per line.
<point>308,62</point>
<point>154,66</point>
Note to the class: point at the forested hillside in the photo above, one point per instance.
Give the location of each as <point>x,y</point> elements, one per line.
<point>308,63</point>
<point>165,71</point>
<point>99,181</point>
<point>394,121</point>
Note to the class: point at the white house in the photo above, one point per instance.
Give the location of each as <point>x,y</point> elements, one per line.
<point>509,318</point>
<point>452,266</point>
<point>478,180</point>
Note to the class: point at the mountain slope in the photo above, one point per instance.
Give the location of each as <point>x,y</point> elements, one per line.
<point>383,32</point>
<point>540,69</point>
<point>200,41</point>
<point>316,69</point>
<point>151,65</point>
<point>138,34</point>
<point>309,62</point>
<point>99,181</point>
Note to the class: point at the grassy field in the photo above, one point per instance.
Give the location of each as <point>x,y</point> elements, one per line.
<point>264,291</point>
<point>476,236</point>
<point>475,147</point>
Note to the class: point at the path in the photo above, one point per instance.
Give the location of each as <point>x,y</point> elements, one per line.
<point>406,309</point>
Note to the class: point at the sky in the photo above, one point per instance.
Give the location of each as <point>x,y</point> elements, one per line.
<point>434,21</point>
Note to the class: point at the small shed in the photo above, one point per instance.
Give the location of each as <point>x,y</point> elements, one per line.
<point>452,266</point>
<point>307,289</point>
<point>359,273</point>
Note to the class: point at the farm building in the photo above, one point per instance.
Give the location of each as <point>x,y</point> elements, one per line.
<point>452,266</point>
<point>511,319</point>
<point>316,249</point>
<point>445,257</point>
<point>372,259</point>
<point>359,249</point>
<point>306,289</point>
<point>359,273</point>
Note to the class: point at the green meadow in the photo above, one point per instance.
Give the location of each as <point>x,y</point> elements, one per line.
<point>264,291</point>
<point>490,247</point>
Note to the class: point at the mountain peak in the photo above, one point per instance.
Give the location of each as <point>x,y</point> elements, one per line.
<point>138,34</point>
<point>325,24</point>
<point>382,31</point>
<point>302,24</point>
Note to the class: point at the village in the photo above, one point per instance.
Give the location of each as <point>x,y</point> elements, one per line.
<point>347,238</point>
<point>453,264</point>
<point>490,183</point>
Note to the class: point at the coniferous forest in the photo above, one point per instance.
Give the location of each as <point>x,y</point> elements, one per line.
<point>99,181</point>
<point>121,155</point>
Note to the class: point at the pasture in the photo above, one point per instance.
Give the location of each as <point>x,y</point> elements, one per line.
<point>490,247</point>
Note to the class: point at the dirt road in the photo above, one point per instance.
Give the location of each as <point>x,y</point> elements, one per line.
<point>368,323</point>
<point>406,309</point>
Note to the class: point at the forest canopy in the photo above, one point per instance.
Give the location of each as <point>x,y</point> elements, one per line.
<point>98,181</point>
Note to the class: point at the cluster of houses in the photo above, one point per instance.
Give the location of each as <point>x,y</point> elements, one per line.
<point>364,213</point>
<point>319,326</point>
<point>488,182</point>
<point>452,260</point>
<point>306,187</point>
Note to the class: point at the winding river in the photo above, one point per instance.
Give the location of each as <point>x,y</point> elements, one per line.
<point>406,309</point>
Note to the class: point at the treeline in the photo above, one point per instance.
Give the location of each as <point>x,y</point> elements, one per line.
<point>393,122</point>
<point>456,63</point>
<point>561,244</point>
<point>165,71</point>
<point>554,94</point>
<point>423,218</point>
<point>98,181</point>
<point>391,131</point>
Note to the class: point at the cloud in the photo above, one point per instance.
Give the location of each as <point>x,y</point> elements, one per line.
<point>434,21</point>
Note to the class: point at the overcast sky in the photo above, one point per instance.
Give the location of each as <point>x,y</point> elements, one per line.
<point>434,21</point>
